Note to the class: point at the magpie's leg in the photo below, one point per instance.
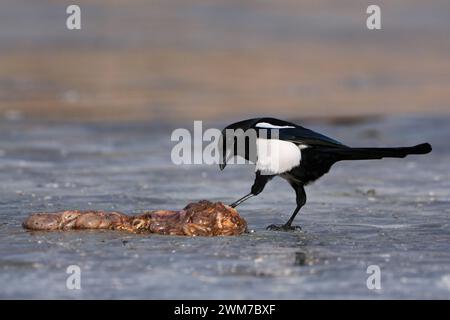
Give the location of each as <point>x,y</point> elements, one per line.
<point>238,202</point>
<point>257,188</point>
<point>301,200</point>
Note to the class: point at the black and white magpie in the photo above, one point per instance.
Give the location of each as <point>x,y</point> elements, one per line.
<point>295,153</point>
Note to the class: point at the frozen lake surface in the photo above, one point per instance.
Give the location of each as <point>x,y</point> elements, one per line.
<point>392,213</point>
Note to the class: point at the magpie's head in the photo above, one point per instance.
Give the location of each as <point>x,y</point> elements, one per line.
<point>232,135</point>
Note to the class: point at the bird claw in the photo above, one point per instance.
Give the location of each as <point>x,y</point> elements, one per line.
<point>283,227</point>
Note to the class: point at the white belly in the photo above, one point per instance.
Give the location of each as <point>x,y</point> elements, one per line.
<point>276,156</point>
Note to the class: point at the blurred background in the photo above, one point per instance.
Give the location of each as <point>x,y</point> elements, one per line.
<point>86,118</point>
<point>224,59</point>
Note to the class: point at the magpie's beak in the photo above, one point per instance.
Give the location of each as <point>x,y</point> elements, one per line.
<point>223,161</point>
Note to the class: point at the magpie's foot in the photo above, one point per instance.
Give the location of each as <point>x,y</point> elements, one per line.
<point>283,227</point>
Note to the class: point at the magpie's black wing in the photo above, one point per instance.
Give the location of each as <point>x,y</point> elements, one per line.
<point>300,135</point>
<point>289,131</point>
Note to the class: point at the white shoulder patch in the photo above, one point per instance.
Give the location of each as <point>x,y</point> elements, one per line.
<point>276,156</point>
<point>267,125</point>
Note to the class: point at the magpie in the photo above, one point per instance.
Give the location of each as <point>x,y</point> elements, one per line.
<point>296,154</point>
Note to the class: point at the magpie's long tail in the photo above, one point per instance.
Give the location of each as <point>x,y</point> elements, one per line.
<point>378,153</point>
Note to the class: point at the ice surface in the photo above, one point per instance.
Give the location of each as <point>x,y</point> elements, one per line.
<point>391,213</point>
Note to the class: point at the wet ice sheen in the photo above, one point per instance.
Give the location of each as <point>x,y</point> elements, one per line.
<point>392,213</point>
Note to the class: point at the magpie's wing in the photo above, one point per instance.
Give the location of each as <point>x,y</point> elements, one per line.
<point>288,131</point>
<point>300,135</point>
